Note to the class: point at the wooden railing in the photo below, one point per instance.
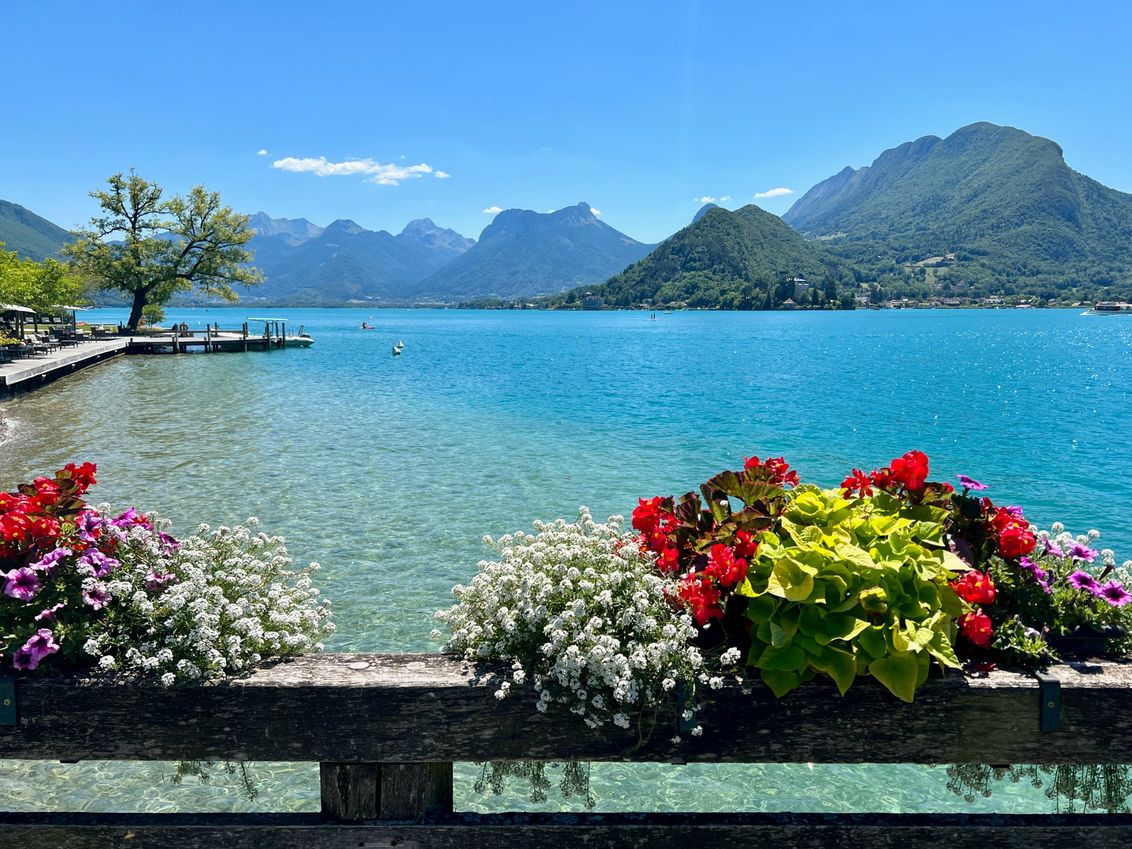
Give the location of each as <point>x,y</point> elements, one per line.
<point>387,728</point>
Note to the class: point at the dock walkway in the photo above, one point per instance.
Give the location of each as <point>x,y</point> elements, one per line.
<point>25,374</point>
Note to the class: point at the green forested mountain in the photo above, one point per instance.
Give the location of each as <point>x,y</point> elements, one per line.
<point>988,208</point>
<point>524,253</point>
<point>29,235</point>
<point>744,259</point>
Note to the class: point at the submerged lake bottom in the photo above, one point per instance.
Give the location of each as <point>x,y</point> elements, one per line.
<point>388,471</point>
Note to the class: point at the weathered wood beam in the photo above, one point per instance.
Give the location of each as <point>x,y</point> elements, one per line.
<point>569,831</point>
<point>406,708</point>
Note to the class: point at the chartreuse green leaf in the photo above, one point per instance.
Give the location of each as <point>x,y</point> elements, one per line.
<point>780,681</point>
<point>791,579</point>
<point>898,673</point>
<point>839,665</point>
<point>787,658</point>
<point>942,650</point>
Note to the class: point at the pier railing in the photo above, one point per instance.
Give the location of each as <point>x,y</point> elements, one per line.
<point>386,730</point>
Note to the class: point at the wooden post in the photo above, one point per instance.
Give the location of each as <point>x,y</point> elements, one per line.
<point>245,332</point>
<point>385,791</point>
<point>283,337</point>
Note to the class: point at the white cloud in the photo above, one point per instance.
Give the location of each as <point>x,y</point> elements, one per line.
<point>595,211</point>
<point>262,152</point>
<point>725,198</point>
<point>706,199</point>
<point>375,172</point>
<point>442,175</point>
<point>774,193</point>
<point>492,210</point>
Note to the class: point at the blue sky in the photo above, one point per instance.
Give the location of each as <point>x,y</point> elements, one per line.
<point>639,109</point>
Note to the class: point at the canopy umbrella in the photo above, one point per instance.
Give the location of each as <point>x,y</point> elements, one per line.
<point>20,312</point>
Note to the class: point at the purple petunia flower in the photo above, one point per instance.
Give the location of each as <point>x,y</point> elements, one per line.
<point>39,646</point>
<point>89,525</point>
<point>169,542</point>
<point>130,518</point>
<point>48,615</point>
<point>97,563</point>
<point>971,483</point>
<point>1082,552</point>
<point>49,561</point>
<point>1040,575</point>
<point>21,584</point>
<point>97,596</point>
<point>1114,593</point>
<point>1051,548</point>
<point>155,580</point>
<point>1082,580</point>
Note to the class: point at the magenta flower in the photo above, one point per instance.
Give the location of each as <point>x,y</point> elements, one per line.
<point>48,615</point>
<point>1082,552</point>
<point>129,518</point>
<point>99,565</point>
<point>40,645</point>
<point>169,542</point>
<point>22,584</point>
<point>971,483</point>
<point>1040,575</point>
<point>1114,593</point>
<point>1051,548</point>
<point>96,596</point>
<point>89,525</point>
<point>1082,580</point>
<point>49,561</point>
<point>155,580</point>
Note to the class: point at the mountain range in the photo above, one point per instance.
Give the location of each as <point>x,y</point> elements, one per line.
<point>986,210</point>
<point>524,254</point>
<point>303,263</point>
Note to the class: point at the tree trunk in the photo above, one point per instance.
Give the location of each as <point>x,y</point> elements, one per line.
<point>140,301</point>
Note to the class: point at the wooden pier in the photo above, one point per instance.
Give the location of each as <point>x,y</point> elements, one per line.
<point>30,373</point>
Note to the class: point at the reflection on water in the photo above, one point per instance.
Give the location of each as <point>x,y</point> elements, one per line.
<point>1071,788</point>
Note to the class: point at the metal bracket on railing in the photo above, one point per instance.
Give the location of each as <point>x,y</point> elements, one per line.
<point>7,701</point>
<point>1049,706</point>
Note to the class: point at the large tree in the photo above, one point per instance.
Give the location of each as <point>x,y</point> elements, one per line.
<point>150,249</point>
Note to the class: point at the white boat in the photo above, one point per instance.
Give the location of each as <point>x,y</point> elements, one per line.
<point>1110,308</point>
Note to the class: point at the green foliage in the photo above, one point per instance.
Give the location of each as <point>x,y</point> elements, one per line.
<point>151,248</point>
<point>42,286</point>
<point>850,587</point>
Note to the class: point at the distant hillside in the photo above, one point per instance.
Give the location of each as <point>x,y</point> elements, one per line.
<point>703,210</point>
<point>524,253</point>
<point>346,262</point>
<point>1002,203</point>
<point>29,235</point>
<point>732,260</point>
<point>297,230</point>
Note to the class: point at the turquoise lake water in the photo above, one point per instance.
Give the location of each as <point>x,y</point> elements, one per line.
<point>388,471</point>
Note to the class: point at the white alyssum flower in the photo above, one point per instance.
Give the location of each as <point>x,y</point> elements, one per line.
<point>579,611</point>
<point>226,599</point>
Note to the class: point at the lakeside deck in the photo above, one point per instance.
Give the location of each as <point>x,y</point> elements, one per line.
<point>30,373</point>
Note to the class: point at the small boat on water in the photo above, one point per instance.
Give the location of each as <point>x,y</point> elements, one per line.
<point>368,326</point>
<point>1110,308</point>
<point>398,348</point>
